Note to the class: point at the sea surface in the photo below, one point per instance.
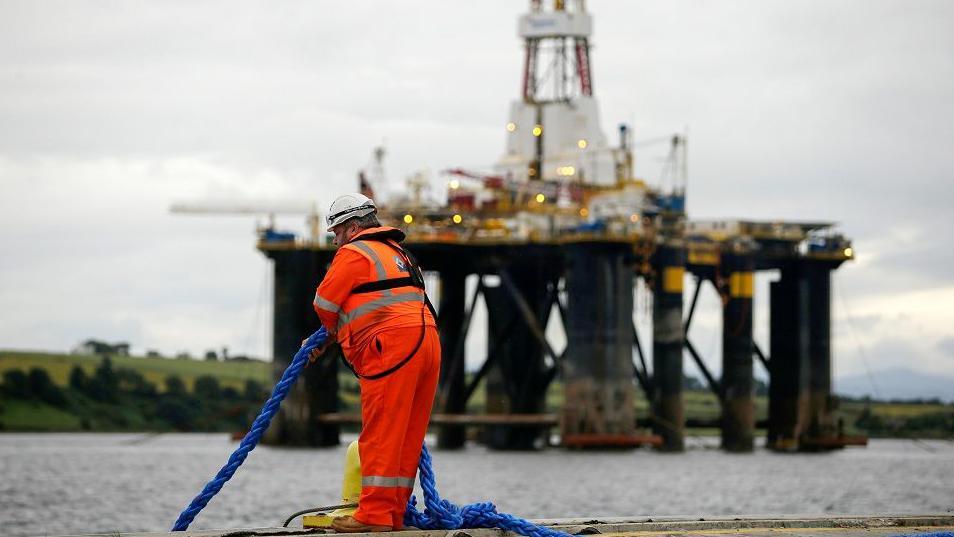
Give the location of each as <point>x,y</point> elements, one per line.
<point>55,484</point>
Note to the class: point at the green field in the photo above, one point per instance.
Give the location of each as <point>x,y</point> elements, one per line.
<point>36,416</point>
<point>155,370</point>
<point>900,410</point>
<point>130,394</point>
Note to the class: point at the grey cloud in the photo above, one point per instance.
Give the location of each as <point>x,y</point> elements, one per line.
<point>920,262</point>
<point>864,323</point>
<point>946,346</point>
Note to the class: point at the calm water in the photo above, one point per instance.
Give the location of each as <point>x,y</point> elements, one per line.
<point>53,484</point>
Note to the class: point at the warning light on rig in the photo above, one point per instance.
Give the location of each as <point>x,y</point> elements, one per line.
<point>457,218</point>
<point>511,126</point>
<point>849,252</point>
<point>581,143</point>
<point>584,212</point>
<point>408,219</point>
<point>454,184</point>
<point>537,130</point>
<point>541,198</point>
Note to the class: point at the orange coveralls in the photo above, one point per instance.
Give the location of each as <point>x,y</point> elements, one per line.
<point>377,330</point>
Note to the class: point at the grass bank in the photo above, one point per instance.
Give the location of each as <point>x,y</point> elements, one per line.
<point>232,374</point>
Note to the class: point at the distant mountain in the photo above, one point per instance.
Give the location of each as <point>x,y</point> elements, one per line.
<point>897,383</point>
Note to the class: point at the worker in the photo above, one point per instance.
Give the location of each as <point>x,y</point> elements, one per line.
<point>372,302</point>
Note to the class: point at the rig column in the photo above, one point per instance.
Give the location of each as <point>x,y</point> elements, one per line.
<point>821,403</point>
<point>516,384</point>
<point>500,314</point>
<point>668,339</point>
<point>788,368</point>
<point>599,406</point>
<point>297,274</point>
<point>452,385</point>
<point>738,409</point>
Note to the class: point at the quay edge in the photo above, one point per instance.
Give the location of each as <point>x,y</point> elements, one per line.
<point>648,526</point>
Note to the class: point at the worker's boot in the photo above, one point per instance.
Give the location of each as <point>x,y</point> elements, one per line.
<point>349,524</point>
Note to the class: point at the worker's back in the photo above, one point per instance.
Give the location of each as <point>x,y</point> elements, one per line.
<point>371,257</point>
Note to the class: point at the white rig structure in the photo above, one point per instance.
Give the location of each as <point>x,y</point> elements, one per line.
<point>554,131</point>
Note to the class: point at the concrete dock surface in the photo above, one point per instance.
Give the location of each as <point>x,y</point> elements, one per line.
<point>648,526</point>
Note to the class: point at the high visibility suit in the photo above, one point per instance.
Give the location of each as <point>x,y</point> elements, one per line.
<point>390,340</point>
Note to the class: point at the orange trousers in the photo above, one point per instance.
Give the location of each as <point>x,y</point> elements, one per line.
<point>395,411</point>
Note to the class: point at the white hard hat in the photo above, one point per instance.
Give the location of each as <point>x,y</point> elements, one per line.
<point>349,206</point>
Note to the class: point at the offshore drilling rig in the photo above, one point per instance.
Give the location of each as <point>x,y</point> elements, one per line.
<point>561,224</point>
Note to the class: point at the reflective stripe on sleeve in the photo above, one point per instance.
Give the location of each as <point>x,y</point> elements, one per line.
<point>325,304</point>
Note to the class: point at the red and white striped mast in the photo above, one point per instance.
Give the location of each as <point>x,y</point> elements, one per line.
<point>554,131</point>
<point>548,35</point>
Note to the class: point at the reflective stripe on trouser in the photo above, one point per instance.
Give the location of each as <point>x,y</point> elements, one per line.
<point>384,481</point>
<point>395,411</point>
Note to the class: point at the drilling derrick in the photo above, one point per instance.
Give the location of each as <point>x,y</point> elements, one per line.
<point>554,131</point>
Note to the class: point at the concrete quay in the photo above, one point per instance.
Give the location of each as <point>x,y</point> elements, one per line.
<point>648,526</point>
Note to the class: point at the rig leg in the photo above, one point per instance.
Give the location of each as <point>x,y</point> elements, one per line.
<point>452,383</point>
<point>297,274</point>
<point>666,401</point>
<point>788,367</point>
<point>599,406</point>
<point>738,408</point>
<point>517,382</point>
<point>821,426</point>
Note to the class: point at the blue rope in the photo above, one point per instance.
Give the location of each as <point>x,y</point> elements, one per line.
<point>929,534</point>
<point>438,513</point>
<point>442,514</point>
<point>254,434</point>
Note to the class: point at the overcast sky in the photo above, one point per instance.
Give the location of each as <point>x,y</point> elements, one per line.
<point>109,111</point>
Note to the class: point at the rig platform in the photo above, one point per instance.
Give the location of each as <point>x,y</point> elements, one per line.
<point>561,223</point>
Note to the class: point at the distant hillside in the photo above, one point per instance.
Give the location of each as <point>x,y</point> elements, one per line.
<point>122,393</point>
<point>897,383</point>
<point>155,370</point>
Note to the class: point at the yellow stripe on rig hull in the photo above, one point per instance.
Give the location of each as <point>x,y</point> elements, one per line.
<point>741,285</point>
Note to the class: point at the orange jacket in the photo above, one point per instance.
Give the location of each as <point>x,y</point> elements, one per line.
<point>358,317</point>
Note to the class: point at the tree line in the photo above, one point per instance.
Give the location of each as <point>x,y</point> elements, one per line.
<point>116,399</point>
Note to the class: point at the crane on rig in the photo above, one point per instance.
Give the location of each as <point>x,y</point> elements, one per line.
<point>372,182</point>
<point>269,210</point>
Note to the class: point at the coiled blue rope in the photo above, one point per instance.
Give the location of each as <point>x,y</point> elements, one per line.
<point>254,434</point>
<point>438,513</point>
<point>442,514</point>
